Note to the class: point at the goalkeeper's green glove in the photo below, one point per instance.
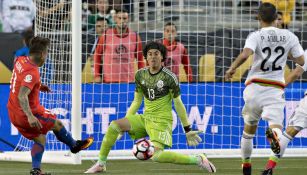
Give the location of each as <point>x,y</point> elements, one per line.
<point>192,136</point>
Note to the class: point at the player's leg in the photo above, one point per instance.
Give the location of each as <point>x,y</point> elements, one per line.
<point>21,123</point>
<point>247,147</point>
<point>160,133</point>
<point>287,137</point>
<point>115,128</point>
<point>64,136</point>
<point>283,142</point>
<point>162,156</point>
<point>297,122</point>
<point>273,113</point>
<point>251,113</point>
<point>37,152</point>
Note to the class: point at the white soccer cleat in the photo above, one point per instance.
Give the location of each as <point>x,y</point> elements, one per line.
<point>204,163</point>
<point>96,168</point>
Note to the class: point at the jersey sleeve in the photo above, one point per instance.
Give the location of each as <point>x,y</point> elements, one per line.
<point>98,55</point>
<point>296,49</point>
<point>305,59</point>
<point>137,82</point>
<point>251,41</point>
<point>30,78</point>
<point>174,86</point>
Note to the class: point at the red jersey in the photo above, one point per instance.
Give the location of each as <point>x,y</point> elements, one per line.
<point>25,73</point>
<point>116,54</point>
<point>177,54</point>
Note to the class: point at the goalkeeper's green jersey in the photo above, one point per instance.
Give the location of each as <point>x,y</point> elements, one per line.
<point>158,89</point>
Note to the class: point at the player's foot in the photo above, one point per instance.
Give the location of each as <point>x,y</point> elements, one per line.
<point>37,171</point>
<point>273,139</point>
<point>82,144</point>
<point>247,168</point>
<point>267,172</point>
<point>204,163</point>
<point>97,168</point>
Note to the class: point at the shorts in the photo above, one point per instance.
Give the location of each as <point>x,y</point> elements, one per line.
<point>299,117</point>
<point>158,130</point>
<point>264,102</point>
<point>20,121</point>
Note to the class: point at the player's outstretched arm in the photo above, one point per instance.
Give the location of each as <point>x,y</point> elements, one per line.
<point>24,104</point>
<point>136,103</point>
<point>192,136</point>
<point>238,62</point>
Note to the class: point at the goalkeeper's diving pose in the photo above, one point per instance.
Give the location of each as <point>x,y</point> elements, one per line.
<point>159,86</point>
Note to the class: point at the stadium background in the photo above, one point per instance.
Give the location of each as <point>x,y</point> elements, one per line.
<point>211,52</point>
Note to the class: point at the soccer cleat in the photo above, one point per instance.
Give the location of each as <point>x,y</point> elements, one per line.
<point>247,169</point>
<point>37,171</point>
<point>268,172</point>
<point>273,139</point>
<point>82,144</point>
<point>96,168</point>
<point>204,163</point>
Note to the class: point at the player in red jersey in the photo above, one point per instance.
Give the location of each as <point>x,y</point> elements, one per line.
<point>176,52</point>
<point>31,119</point>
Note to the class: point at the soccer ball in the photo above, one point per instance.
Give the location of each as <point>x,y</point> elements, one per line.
<point>143,149</point>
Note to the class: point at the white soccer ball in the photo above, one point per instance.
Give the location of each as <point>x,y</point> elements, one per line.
<point>143,149</point>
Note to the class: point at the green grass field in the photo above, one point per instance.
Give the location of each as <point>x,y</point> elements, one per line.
<point>287,166</point>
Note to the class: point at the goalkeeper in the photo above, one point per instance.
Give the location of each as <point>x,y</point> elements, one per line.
<point>159,86</point>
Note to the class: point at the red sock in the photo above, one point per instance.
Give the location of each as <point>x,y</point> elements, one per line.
<point>246,165</point>
<point>270,164</point>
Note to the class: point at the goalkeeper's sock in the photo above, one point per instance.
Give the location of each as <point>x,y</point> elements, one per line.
<point>64,136</point>
<point>173,157</point>
<point>246,147</point>
<point>37,152</point>
<point>108,141</point>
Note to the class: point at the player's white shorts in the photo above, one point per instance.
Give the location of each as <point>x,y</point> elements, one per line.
<point>299,117</point>
<point>264,102</point>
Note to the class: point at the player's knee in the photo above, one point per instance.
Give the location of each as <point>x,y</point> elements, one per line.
<point>123,124</point>
<point>247,135</point>
<point>250,122</point>
<point>41,139</point>
<point>58,125</point>
<point>115,126</point>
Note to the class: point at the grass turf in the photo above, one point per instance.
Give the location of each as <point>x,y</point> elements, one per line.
<point>287,166</point>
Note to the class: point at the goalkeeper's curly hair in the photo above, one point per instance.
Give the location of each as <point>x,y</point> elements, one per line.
<point>155,45</point>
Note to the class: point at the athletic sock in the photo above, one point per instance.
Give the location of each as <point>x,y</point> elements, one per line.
<point>173,157</point>
<point>64,136</point>
<point>271,164</point>
<point>284,141</point>
<point>246,147</point>
<point>37,152</point>
<point>108,141</point>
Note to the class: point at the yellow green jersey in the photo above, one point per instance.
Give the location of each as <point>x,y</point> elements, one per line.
<point>158,89</point>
